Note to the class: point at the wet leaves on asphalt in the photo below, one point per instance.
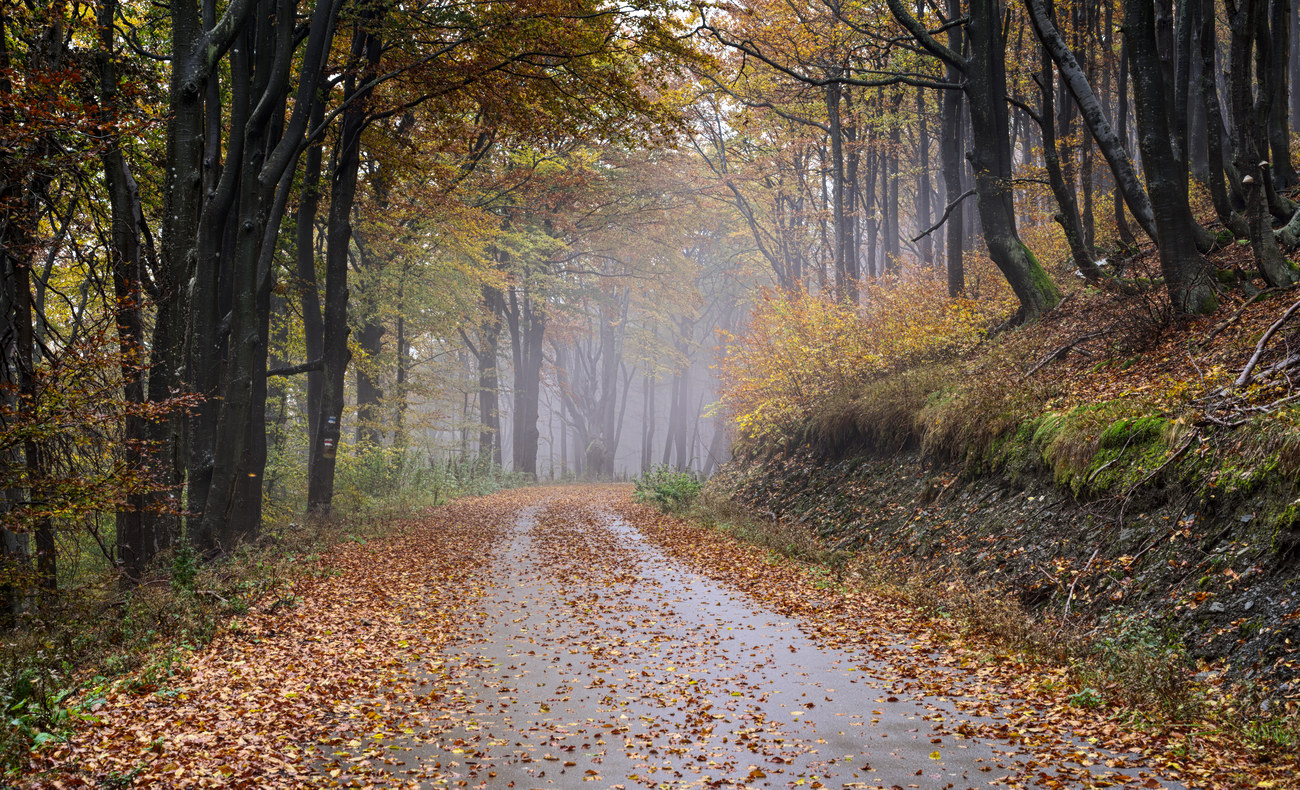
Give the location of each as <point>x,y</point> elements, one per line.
<point>564,637</point>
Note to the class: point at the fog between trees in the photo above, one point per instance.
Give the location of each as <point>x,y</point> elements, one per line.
<point>255,251</point>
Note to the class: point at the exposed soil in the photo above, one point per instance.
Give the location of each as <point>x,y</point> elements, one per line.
<point>1217,574</point>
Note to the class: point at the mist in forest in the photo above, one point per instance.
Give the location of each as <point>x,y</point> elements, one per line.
<point>258,264</point>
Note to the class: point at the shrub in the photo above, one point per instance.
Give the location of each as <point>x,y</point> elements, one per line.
<point>800,349</point>
<point>1142,664</point>
<point>668,489</point>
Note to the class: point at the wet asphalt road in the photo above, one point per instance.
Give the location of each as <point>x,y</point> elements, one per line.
<point>602,662</point>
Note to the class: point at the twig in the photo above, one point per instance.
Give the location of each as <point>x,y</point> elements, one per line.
<point>1244,378</point>
<point>1232,319</point>
<point>1283,365</point>
<point>1177,454</point>
<point>1192,359</point>
<point>1272,406</point>
<point>214,594</point>
<point>1117,457</point>
<point>946,213</point>
<point>1060,353</point>
<point>1225,423</point>
<point>1049,576</point>
<point>1070,599</point>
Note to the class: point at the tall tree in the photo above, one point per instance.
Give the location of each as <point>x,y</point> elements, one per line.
<point>984,82</point>
<point>1187,274</point>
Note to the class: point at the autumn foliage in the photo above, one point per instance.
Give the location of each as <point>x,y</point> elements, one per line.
<point>801,348</point>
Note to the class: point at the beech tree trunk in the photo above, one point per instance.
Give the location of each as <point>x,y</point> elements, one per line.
<point>1223,207</point>
<point>893,236</point>
<point>990,159</point>
<point>370,339</point>
<point>1250,113</point>
<point>953,163</point>
<point>313,324</point>
<point>269,149</point>
<point>1187,275</point>
<point>1122,112</point>
<point>1109,141</point>
<point>198,42</point>
<point>486,353</point>
<point>1293,71</point>
<point>990,156</point>
<point>335,355</point>
<point>1067,206</point>
<point>526,320</point>
<point>135,547</point>
<point>839,219</point>
<point>1282,16</point>
<point>648,422</point>
<point>923,187</point>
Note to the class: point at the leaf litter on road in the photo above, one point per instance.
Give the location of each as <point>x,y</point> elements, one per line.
<point>564,637</point>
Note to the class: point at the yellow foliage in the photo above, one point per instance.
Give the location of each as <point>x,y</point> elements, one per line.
<point>802,348</point>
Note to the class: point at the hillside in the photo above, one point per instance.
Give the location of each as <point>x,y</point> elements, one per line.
<point>1102,467</point>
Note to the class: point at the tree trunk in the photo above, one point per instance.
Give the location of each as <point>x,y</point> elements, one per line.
<point>889,190</point>
<point>923,188</point>
<point>212,289</point>
<point>1187,275</point>
<point>370,339</point>
<point>870,209</point>
<point>33,461</point>
<point>1183,23</point>
<point>335,355</point>
<point>839,220</point>
<point>486,353</point>
<point>1223,207</point>
<point>1121,130</point>
<point>135,549</point>
<point>1068,208</point>
<point>1250,114</point>
<point>527,323</point>
<point>266,151</point>
<point>400,403</point>
<point>313,325</point>
<point>370,393</point>
<point>990,158</point>
<point>648,423</point>
<point>1109,141</point>
<point>853,220</point>
<point>1197,127</point>
<point>1282,15</point>
<point>681,440</point>
<point>1293,72</point>
<point>222,516</point>
<point>953,163</point>
<point>182,205</point>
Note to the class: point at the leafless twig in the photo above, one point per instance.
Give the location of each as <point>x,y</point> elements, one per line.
<point>1061,352</point>
<point>1070,599</point>
<point>1244,378</point>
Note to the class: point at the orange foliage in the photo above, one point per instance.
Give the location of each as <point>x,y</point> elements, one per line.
<point>801,348</point>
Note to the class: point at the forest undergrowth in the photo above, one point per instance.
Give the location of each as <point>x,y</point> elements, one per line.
<point>142,633</point>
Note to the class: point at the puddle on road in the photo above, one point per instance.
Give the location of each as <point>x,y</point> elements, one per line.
<point>605,663</point>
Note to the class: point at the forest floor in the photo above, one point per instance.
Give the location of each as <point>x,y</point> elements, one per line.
<point>566,637</point>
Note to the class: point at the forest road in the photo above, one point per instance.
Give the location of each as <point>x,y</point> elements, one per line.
<point>604,658</point>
